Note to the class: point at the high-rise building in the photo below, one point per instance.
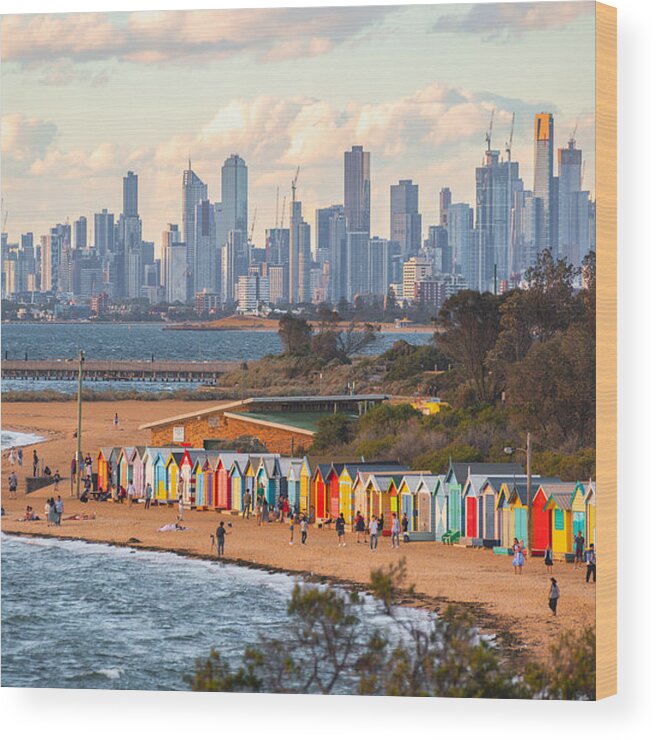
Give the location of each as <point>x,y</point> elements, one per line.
<point>357,190</point>
<point>437,246</point>
<point>131,194</point>
<point>378,268</point>
<point>445,202</point>
<point>300,256</point>
<point>322,231</point>
<point>80,233</point>
<point>128,249</point>
<point>338,261</point>
<point>415,270</point>
<point>234,198</point>
<point>278,285</point>
<point>357,264</point>
<point>194,190</point>
<point>573,206</point>
<point>405,219</point>
<point>103,232</point>
<point>206,273</point>
<point>277,246</point>
<point>460,224</point>
<point>496,183</point>
<point>544,185</point>
<point>478,262</point>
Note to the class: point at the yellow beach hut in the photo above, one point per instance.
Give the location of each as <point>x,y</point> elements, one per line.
<point>591,513</point>
<point>578,512</point>
<point>559,503</point>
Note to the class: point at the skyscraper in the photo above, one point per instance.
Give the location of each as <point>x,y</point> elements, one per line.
<point>357,258</point>
<point>378,268</point>
<point>405,219</point>
<point>300,256</point>
<point>573,205</point>
<point>194,190</point>
<point>80,233</point>
<point>445,202</point>
<point>131,194</point>
<point>103,232</point>
<point>338,261</point>
<point>461,222</point>
<point>128,250</point>
<point>206,266</point>
<point>234,198</point>
<point>544,186</point>
<point>322,233</point>
<point>357,190</point>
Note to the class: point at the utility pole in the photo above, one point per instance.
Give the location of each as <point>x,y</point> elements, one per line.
<point>529,502</point>
<point>78,453</point>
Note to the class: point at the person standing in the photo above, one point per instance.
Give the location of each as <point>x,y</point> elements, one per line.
<point>47,512</point>
<point>591,561</point>
<point>12,456</point>
<point>247,505</point>
<point>13,484</point>
<point>579,547</point>
<point>340,525</point>
<point>548,558</point>
<point>59,510</point>
<point>291,531</point>
<point>359,528</point>
<point>20,457</point>
<point>88,466</point>
<point>148,496</point>
<point>518,557</point>
<point>131,492</point>
<point>554,595</point>
<point>265,510</point>
<point>404,527</point>
<point>304,529</point>
<point>57,478</point>
<point>373,533</point>
<point>220,539</point>
<point>73,469</point>
<point>181,508</point>
<point>396,530</point>
<point>116,420</point>
<point>35,463</point>
<point>52,512</point>
<point>258,512</point>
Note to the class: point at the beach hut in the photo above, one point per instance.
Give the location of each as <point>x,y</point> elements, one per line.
<point>249,471</point>
<point>407,493</point>
<point>267,478</point>
<point>542,521</point>
<point>222,482</point>
<point>578,511</point>
<point>471,510</point>
<point>238,481</point>
<point>174,484</point>
<point>505,528</point>
<point>160,479</point>
<point>305,480</point>
<point>104,466</point>
<point>416,492</point>
<point>360,501</point>
<point>294,482</point>
<point>389,502</point>
<point>435,483</point>
<point>136,469</point>
<point>320,487</point>
<point>559,504</point>
<point>202,475</point>
<point>591,512</point>
<point>123,466</point>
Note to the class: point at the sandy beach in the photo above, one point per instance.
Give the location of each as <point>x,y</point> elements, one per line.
<point>513,607</point>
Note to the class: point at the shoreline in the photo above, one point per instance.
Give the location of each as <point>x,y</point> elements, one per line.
<point>508,643</point>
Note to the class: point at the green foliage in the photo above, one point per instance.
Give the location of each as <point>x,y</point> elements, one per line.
<point>295,334</point>
<point>332,431</point>
<point>404,360</point>
<point>375,449</point>
<point>327,649</point>
<point>385,418</point>
<point>438,460</point>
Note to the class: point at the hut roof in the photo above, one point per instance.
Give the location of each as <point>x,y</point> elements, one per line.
<point>461,471</point>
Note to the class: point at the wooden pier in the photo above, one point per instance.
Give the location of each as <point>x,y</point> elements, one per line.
<point>116,370</point>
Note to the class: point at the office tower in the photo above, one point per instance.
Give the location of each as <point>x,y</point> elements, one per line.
<point>527,217</point>
<point>573,206</point>
<point>357,190</point>
<point>357,264</point>
<point>378,270</point>
<point>478,262</point>
<point>252,292</point>
<point>176,263</point>
<point>338,261</point>
<point>234,198</point>
<point>206,266</point>
<point>131,194</point>
<point>322,232</point>
<point>277,246</point>
<point>437,245</point>
<point>194,190</point>
<point>445,202</point>
<point>228,271</point>
<point>80,233</point>
<point>53,246</point>
<point>277,284</point>
<point>496,183</point>
<point>544,185</point>
<point>415,269</point>
<point>460,224</point>
<point>128,250</point>
<point>405,220</point>
<point>103,232</point>
<point>300,256</point>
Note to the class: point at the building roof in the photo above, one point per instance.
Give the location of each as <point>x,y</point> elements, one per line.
<point>461,471</point>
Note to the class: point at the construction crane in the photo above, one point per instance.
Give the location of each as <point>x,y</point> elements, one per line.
<point>250,234</point>
<point>488,133</point>
<point>509,142</point>
<point>294,181</point>
<point>282,214</point>
<point>572,135</point>
<point>277,197</point>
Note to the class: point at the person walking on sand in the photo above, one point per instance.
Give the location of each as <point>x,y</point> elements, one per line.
<point>35,463</point>
<point>13,484</point>
<point>220,539</point>
<point>19,455</point>
<point>57,478</point>
<point>131,493</point>
<point>52,513</point>
<point>88,465</point>
<point>373,533</point>
<point>591,562</point>
<point>304,529</point>
<point>518,557</point>
<point>46,511</point>
<point>404,527</point>
<point>12,456</point>
<point>359,528</point>
<point>258,512</point>
<point>396,530</point>
<point>180,508</point>
<point>554,595</point>
<point>579,547</point>
<point>548,558</point>
<point>247,505</point>
<point>340,524</point>
<point>116,420</point>
<point>148,495</point>
<point>291,531</point>
<point>73,469</point>
<point>59,510</point>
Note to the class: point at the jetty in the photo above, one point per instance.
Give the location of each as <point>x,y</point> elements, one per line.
<point>115,370</point>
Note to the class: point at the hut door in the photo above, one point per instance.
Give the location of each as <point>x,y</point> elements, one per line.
<point>471,517</point>
<point>489,517</point>
<point>424,512</point>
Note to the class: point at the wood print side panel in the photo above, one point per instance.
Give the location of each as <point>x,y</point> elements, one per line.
<point>606,204</point>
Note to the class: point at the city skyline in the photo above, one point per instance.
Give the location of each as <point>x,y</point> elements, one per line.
<point>291,100</point>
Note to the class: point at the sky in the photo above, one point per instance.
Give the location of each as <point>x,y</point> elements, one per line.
<point>87,96</point>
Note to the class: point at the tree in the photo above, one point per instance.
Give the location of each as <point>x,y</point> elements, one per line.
<point>355,338</point>
<point>295,334</point>
<point>333,431</point>
<point>467,329</point>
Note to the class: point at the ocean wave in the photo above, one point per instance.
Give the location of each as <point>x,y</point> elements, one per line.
<point>10,439</point>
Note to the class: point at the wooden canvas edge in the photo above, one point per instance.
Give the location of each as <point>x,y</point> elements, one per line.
<point>606,347</point>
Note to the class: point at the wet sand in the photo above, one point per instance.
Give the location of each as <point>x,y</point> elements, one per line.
<point>513,607</point>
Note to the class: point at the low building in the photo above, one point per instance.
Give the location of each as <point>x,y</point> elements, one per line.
<point>282,424</point>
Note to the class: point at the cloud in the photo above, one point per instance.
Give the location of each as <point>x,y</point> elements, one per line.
<point>24,140</point>
<point>167,36</point>
<point>505,21</point>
